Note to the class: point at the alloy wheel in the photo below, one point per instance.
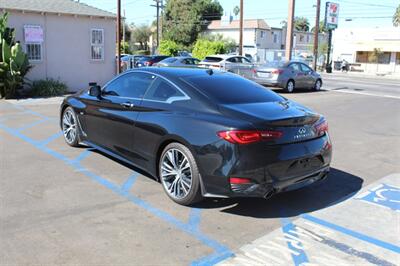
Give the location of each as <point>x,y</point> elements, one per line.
<point>290,86</point>
<point>69,126</point>
<point>176,174</point>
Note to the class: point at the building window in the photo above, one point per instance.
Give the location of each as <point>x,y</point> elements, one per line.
<point>368,57</point>
<point>97,44</point>
<point>301,38</point>
<point>262,34</point>
<point>308,38</point>
<point>398,58</point>
<point>34,51</point>
<point>275,38</point>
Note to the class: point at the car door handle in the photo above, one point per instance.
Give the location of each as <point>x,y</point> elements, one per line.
<point>128,105</point>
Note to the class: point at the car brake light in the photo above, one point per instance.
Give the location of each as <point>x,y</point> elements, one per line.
<point>147,63</point>
<point>249,136</point>
<point>321,128</point>
<point>277,71</point>
<point>239,180</point>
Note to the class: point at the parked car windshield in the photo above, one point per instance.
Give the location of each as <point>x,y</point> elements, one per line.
<point>226,88</point>
<point>212,59</point>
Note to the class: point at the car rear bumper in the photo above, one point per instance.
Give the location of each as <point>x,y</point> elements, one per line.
<point>271,169</point>
<point>268,82</point>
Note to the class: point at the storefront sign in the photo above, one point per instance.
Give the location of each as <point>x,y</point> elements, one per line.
<point>331,15</point>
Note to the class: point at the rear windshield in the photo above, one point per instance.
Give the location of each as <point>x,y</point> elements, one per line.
<point>226,88</point>
<point>212,59</point>
<point>274,64</point>
<point>169,60</point>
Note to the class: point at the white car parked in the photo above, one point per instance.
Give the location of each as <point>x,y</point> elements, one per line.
<point>233,63</point>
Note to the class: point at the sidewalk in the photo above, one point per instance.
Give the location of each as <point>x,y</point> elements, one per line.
<point>361,230</point>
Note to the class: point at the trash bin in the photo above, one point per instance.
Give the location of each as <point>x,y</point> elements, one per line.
<point>328,68</point>
<point>337,65</point>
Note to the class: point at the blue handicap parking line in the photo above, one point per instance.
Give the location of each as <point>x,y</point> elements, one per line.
<point>383,195</point>
<point>349,232</point>
<point>299,256</point>
<point>191,227</point>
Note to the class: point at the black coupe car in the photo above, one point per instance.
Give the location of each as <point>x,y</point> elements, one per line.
<point>201,133</point>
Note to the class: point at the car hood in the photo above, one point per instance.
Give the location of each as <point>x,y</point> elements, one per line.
<point>282,113</point>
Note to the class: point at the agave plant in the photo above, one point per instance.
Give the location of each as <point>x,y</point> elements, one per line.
<point>14,64</point>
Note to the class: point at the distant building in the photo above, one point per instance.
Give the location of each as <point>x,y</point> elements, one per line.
<point>357,45</point>
<point>64,40</point>
<point>261,41</point>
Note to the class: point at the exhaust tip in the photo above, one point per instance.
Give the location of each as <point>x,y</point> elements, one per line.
<point>269,194</point>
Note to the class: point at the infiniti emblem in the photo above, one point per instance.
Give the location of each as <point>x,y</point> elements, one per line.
<point>302,130</point>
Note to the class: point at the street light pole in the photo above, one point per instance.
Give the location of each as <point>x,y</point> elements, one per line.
<point>289,31</point>
<point>241,29</point>
<point>118,36</point>
<point>316,34</point>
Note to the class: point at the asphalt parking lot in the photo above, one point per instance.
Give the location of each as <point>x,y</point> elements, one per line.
<point>61,205</point>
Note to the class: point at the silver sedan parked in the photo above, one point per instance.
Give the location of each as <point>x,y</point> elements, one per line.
<point>179,61</point>
<point>287,75</point>
<point>232,63</point>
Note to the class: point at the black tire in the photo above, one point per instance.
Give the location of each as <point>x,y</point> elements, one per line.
<point>194,193</point>
<point>290,86</point>
<point>317,85</point>
<point>71,140</point>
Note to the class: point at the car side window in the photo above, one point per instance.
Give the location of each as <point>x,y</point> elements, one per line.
<point>305,68</point>
<point>186,61</point>
<point>162,90</point>
<point>294,67</point>
<point>233,60</point>
<point>130,85</point>
<point>195,61</point>
<point>245,60</point>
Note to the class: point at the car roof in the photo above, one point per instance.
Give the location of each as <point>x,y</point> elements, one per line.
<point>223,56</point>
<point>176,73</point>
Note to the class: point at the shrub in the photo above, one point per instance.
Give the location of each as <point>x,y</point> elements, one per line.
<point>47,88</point>
<point>142,52</point>
<point>203,48</point>
<point>168,47</point>
<point>14,64</point>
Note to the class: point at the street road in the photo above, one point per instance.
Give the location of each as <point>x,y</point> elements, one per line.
<point>350,83</point>
<point>63,205</point>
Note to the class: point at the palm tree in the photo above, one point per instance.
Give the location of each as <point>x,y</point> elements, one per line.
<point>396,17</point>
<point>236,11</point>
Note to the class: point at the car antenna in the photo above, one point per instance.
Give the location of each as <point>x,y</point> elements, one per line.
<point>210,71</point>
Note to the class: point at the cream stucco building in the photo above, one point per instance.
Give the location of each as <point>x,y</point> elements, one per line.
<point>65,40</point>
<point>356,45</point>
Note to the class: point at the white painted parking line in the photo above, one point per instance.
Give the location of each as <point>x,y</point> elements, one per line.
<point>363,93</point>
<point>362,230</point>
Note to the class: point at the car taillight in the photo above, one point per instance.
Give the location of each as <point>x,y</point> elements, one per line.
<point>249,136</point>
<point>277,71</point>
<point>239,180</point>
<point>148,63</point>
<point>321,128</point>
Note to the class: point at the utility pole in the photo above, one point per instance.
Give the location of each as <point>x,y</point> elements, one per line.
<point>158,5</point>
<point>316,34</point>
<point>241,29</point>
<point>289,31</point>
<point>123,29</point>
<point>118,36</point>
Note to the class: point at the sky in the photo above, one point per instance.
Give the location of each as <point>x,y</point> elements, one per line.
<point>362,13</point>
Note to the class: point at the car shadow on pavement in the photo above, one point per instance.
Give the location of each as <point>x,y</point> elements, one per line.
<point>337,187</point>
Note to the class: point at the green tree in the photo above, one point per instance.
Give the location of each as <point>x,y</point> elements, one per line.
<point>396,17</point>
<point>229,43</point>
<point>168,47</point>
<point>301,24</point>
<point>204,47</point>
<point>141,35</point>
<point>125,48</point>
<point>236,10</point>
<point>321,28</point>
<point>184,19</point>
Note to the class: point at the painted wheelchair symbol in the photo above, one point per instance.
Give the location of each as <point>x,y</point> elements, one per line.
<point>384,195</point>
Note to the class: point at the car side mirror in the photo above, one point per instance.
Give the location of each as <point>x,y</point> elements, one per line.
<point>95,91</point>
